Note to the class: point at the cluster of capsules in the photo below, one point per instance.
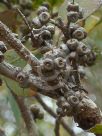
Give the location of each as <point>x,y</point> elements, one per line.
<point>56,66</point>
<point>42,33</point>
<point>79,54</point>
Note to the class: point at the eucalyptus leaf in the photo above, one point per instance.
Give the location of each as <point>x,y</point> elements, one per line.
<point>97,129</point>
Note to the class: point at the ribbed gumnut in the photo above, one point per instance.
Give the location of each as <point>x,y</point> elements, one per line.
<point>87,114</point>
<point>82,49</point>
<point>73,16</point>
<point>48,64</point>
<point>46,35</point>
<point>73,7</point>
<point>42,9</point>
<point>59,62</point>
<point>36,22</point>
<point>44,17</point>
<point>51,29</point>
<point>79,33</point>
<point>91,57</point>
<point>72,44</point>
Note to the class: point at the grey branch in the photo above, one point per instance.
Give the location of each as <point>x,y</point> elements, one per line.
<point>7,36</point>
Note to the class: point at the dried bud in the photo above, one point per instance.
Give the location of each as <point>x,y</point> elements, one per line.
<point>72,44</point>
<point>79,34</point>
<point>72,56</point>
<point>44,17</point>
<point>60,63</point>
<point>82,49</point>
<point>91,57</point>
<point>3,48</point>
<point>73,100</point>
<point>73,27</point>
<point>46,35</point>
<point>48,64</point>
<point>64,48</point>
<point>65,105</point>
<point>1,57</point>
<point>73,16</point>
<point>36,112</point>
<point>36,22</point>
<point>42,9</point>
<point>59,111</point>
<point>73,7</point>
<point>22,79</point>
<point>51,29</point>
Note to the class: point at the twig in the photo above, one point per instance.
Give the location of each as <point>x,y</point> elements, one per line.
<point>9,70</point>
<point>52,113</point>
<point>57,126</point>
<point>26,115</point>
<point>24,18</point>
<point>35,43</point>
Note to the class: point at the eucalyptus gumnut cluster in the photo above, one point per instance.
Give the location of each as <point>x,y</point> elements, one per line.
<point>43,31</point>
<point>78,55</point>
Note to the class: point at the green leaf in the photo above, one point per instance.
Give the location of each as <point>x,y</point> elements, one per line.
<point>14,59</point>
<point>97,129</point>
<point>14,107</point>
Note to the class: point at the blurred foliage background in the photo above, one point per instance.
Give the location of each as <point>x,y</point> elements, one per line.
<point>10,116</point>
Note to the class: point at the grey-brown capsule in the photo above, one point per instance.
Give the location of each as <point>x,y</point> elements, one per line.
<point>73,16</point>
<point>73,100</point>
<point>79,33</point>
<point>36,22</point>
<point>72,44</point>
<point>44,17</point>
<point>48,64</point>
<point>46,35</point>
<point>42,9</point>
<point>51,29</point>
<point>60,63</point>
<point>82,49</point>
<point>73,7</point>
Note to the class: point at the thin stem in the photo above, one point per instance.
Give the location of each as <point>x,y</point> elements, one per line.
<point>57,126</point>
